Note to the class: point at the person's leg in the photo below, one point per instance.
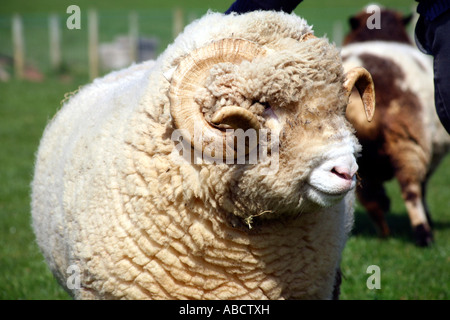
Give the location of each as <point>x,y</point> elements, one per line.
<point>440,48</point>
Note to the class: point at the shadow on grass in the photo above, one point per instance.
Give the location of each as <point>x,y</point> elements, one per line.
<point>398,223</point>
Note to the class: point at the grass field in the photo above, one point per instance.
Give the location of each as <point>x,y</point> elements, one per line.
<point>407,272</point>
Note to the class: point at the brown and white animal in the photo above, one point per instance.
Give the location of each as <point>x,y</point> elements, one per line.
<point>406,140</point>
<point>119,211</point>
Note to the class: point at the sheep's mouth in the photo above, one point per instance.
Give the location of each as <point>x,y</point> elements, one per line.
<point>337,193</point>
<point>326,198</point>
<point>334,184</point>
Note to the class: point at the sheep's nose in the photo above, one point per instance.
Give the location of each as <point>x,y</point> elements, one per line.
<point>333,178</point>
<point>344,172</point>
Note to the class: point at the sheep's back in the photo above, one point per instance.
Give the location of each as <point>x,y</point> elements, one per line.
<point>87,130</point>
<point>403,79</point>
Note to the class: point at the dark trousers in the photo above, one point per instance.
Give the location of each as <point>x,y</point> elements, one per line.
<point>433,37</point>
<point>243,6</point>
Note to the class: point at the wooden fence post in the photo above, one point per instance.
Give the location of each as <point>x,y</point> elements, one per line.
<point>19,46</point>
<point>93,44</point>
<point>133,30</point>
<point>55,42</point>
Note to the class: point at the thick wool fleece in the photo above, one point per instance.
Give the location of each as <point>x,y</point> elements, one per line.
<point>138,221</point>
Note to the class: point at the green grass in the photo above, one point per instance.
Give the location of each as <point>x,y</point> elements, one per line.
<point>24,111</point>
<point>407,272</point>
<point>155,20</point>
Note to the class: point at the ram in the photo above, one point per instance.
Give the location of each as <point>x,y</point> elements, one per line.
<point>406,139</point>
<point>127,201</point>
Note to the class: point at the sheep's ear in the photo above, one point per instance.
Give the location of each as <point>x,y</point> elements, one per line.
<point>354,23</point>
<point>169,73</point>
<point>407,19</point>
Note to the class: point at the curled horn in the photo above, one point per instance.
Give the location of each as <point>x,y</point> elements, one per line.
<point>191,75</point>
<point>361,79</point>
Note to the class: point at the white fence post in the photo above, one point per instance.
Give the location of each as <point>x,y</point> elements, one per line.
<point>133,20</point>
<point>93,44</point>
<point>55,41</point>
<point>177,21</point>
<point>338,33</point>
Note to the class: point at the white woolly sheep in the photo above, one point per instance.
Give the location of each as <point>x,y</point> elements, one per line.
<point>406,139</point>
<point>118,207</point>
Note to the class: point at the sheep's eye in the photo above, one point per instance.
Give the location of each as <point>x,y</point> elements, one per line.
<point>266,105</point>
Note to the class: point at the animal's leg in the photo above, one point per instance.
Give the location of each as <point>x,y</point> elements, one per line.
<point>410,160</point>
<point>413,197</point>
<point>337,284</point>
<point>425,205</point>
<point>373,197</point>
<point>411,174</point>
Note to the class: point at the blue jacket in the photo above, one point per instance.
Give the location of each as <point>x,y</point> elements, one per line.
<point>431,9</point>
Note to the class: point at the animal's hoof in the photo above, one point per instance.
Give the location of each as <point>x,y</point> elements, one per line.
<point>423,235</point>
